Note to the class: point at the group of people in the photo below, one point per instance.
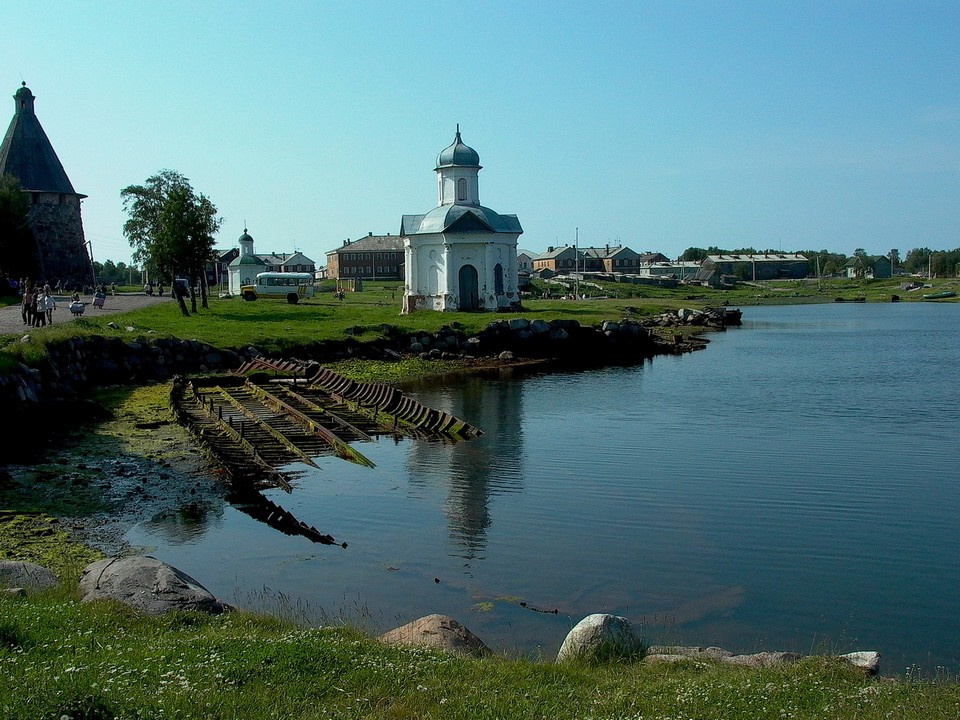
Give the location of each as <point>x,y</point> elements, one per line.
<point>37,305</point>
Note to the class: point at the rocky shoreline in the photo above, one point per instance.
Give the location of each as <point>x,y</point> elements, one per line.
<point>71,368</point>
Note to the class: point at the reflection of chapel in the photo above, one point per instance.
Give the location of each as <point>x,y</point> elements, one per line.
<point>460,255</point>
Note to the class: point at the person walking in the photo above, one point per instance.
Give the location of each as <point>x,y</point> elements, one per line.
<point>49,305</point>
<point>37,309</point>
<point>25,299</point>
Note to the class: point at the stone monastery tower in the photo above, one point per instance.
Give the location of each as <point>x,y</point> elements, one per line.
<point>54,215</point>
<point>460,255</point>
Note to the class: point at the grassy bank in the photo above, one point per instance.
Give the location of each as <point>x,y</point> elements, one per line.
<point>60,658</point>
<point>273,325</point>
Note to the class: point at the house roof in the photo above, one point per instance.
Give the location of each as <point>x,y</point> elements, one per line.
<point>371,243</point>
<point>758,257</point>
<point>554,252</point>
<point>607,251</point>
<point>464,218</point>
<point>26,152</point>
<point>871,259</point>
<point>652,257</point>
<point>297,258</point>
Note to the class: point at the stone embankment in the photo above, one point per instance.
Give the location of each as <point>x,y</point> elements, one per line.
<point>72,367</point>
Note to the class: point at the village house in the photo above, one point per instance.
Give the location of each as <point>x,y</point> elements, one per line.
<point>557,259</point>
<point>873,267</point>
<point>756,266</point>
<point>525,261</point>
<point>679,269</point>
<point>610,259</point>
<point>374,257</point>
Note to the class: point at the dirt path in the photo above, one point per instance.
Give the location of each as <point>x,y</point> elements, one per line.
<point>12,322</point>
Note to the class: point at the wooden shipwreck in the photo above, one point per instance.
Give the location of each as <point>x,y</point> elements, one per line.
<point>269,414</point>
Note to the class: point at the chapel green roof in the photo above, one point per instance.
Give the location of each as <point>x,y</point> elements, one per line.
<point>458,154</point>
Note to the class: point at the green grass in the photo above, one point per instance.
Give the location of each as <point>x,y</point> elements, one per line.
<point>62,658</point>
<point>273,325</point>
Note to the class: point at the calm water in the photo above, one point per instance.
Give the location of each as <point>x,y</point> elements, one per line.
<point>795,486</point>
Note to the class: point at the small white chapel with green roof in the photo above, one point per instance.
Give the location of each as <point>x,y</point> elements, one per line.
<point>460,255</point>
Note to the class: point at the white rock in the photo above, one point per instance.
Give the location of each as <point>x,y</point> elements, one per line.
<point>601,636</point>
<point>866,660</point>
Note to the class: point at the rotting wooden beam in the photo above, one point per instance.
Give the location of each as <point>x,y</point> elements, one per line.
<point>256,461</point>
<point>341,448</point>
<point>269,429</point>
<point>350,427</point>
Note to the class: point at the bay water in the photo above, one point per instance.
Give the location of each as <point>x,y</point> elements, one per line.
<point>794,486</point>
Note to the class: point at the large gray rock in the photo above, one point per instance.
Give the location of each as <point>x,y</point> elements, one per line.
<point>22,574</point>
<point>678,653</point>
<point>440,632</point>
<point>764,659</point>
<point>866,660</point>
<point>601,637</point>
<point>146,584</point>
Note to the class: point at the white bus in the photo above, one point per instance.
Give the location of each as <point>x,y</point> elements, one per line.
<point>289,285</point>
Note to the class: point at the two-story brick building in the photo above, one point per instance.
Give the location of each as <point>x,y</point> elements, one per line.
<point>374,257</point>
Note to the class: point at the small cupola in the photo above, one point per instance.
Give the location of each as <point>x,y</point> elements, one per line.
<point>246,243</point>
<point>23,100</point>
<point>458,153</point>
<point>457,168</point>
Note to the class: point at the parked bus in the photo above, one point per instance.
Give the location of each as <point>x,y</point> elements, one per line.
<point>289,285</point>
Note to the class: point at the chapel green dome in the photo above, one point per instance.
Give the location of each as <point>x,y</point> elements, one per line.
<point>458,154</point>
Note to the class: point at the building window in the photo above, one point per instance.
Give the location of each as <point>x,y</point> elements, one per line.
<point>462,189</point>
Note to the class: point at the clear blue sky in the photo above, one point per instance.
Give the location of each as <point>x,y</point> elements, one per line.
<point>658,125</point>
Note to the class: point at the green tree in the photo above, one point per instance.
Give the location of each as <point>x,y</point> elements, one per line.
<point>916,260</point>
<point>894,256</point>
<point>693,254</point>
<point>861,262</point>
<point>19,256</point>
<point>171,227</point>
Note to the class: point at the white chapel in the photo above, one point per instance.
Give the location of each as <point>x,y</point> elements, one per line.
<point>460,255</point>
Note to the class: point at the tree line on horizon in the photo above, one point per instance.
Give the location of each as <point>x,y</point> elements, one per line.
<point>918,261</point>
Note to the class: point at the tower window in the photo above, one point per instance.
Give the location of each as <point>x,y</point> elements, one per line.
<point>462,189</point>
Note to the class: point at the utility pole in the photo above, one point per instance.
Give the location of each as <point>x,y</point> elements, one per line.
<point>576,264</point>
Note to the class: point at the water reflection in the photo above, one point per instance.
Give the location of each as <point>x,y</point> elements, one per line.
<point>186,523</point>
<point>476,470</point>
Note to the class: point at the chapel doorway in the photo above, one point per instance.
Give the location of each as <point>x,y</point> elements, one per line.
<point>469,288</point>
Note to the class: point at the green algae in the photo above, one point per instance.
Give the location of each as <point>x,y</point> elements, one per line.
<point>41,538</point>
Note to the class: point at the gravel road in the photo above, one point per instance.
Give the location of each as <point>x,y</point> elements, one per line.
<point>11,322</point>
